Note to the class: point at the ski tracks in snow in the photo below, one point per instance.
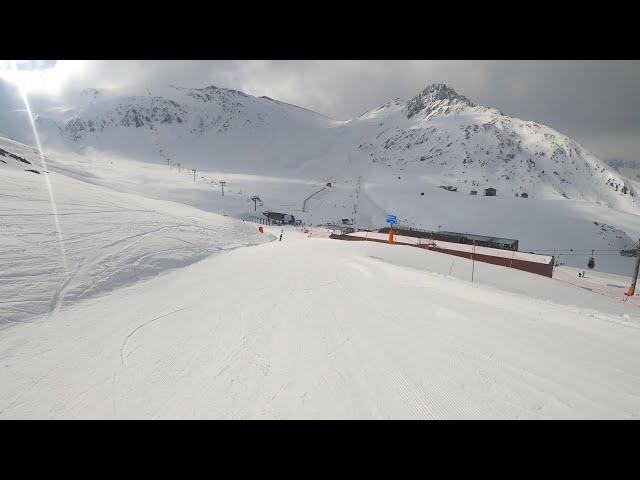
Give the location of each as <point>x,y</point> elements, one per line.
<point>315,329</point>
<point>149,322</point>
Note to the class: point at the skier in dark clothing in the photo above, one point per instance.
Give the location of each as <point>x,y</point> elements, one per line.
<point>281,237</point>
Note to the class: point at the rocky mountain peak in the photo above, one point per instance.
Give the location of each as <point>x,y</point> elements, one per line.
<point>436,97</point>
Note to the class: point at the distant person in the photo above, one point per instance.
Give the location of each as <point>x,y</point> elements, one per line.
<point>280,236</point>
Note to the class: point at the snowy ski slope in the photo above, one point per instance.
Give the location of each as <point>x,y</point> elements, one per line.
<point>318,328</point>
<point>109,239</point>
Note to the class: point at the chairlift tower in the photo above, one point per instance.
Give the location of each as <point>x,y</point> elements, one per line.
<point>255,199</point>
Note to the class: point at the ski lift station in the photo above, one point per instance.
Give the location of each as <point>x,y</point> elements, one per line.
<point>279,218</point>
<point>480,240</point>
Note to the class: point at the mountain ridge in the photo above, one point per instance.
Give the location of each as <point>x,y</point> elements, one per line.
<point>438,133</point>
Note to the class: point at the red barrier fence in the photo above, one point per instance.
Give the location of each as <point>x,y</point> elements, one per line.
<point>531,267</point>
<point>612,290</point>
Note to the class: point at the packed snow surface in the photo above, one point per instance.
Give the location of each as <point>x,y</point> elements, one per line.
<point>319,328</point>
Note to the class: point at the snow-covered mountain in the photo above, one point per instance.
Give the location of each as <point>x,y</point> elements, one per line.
<point>457,143</point>
<point>391,159</point>
<point>629,168</point>
<point>438,135</point>
<point>201,127</point>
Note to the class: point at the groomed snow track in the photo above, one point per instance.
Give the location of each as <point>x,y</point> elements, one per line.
<point>314,328</point>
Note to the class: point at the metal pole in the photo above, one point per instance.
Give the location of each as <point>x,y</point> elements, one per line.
<point>473,262</point>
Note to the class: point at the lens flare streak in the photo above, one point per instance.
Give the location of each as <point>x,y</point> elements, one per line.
<point>43,162</point>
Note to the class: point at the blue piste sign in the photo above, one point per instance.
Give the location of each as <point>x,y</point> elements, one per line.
<point>392,219</point>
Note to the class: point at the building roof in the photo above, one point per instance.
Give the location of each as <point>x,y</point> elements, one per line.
<point>480,238</point>
<point>274,213</point>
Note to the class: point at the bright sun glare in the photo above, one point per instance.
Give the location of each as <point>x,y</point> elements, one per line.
<point>11,72</point>
<point>29,75</point>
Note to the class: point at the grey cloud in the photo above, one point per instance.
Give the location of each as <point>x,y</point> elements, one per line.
<point>595,102</point>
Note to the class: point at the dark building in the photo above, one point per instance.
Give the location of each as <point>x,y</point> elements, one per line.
<point>279,218</point>
<point>474,192</point>
<point>480,240</point>
<point>490,192</point>
<point>451,188</point>
<point>524,195</point>
<point>454,237</point>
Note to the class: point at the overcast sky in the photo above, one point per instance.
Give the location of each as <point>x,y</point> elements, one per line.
<point>595,102</point>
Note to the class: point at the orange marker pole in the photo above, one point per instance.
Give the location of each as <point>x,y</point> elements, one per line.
<point>632,289</point>
<point>391,235</point>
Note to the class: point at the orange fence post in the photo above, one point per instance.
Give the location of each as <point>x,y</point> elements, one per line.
<point>632,289</point>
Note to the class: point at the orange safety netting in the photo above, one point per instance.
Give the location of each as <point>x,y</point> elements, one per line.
<point>612,290</point>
